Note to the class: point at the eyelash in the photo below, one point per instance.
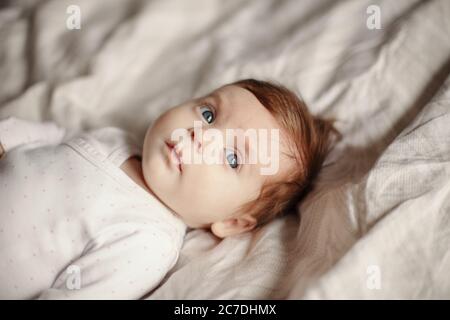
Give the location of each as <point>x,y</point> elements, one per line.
<point>213,110</point>
<point>237,158</point>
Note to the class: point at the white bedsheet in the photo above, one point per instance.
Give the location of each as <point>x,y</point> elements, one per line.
<point>381,211</point>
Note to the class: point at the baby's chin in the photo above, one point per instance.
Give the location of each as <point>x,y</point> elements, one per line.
<point>194,225</point>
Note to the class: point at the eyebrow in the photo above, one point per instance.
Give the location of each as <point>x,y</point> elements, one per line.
<point>218,100</point>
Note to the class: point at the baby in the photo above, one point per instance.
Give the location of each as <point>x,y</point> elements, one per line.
<point>94,215</point>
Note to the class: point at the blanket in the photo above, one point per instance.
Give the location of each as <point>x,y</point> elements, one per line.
<point>376,224</point>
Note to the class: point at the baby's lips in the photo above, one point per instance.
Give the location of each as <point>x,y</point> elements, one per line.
<point>179,155</point>
<point>176,151</point>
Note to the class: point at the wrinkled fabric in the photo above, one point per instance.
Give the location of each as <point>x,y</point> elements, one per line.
<point>375,226</point>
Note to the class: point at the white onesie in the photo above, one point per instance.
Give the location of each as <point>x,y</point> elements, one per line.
<point>73,225</point>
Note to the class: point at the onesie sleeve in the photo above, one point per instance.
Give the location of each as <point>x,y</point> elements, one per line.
<point>16,132</point>
<point>117,266</point>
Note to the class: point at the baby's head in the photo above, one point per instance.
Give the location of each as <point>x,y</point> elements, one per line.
<point>235,158</point>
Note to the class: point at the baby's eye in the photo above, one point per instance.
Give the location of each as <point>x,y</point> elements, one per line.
<point>232,158</point>
<point>207,114</point>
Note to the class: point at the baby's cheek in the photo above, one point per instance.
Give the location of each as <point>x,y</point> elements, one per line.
<point>251,188</point>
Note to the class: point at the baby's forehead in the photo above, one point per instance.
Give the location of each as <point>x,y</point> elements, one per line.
<point>248,112</point>
<point>242,109</point>
<point>244,112</point>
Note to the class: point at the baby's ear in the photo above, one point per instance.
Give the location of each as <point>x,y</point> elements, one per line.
<point>232,226</point>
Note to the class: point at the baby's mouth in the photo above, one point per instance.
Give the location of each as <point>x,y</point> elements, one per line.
<point>175,154</point>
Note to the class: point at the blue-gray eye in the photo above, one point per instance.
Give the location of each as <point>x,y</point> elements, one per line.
<point>232,158</point>
<point>207,114</point>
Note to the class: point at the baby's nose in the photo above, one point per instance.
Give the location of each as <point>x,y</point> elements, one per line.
<point>195,140</point>
<point>209,147</point>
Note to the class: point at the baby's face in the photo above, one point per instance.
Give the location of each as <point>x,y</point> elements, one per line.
<point>213,179</point>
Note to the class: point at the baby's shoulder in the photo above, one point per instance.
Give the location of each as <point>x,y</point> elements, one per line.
<point>111,137</point>
<point>109,141</point>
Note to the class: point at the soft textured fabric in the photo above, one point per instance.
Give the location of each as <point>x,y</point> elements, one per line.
<point>67,210</point>
<point>133,59</point>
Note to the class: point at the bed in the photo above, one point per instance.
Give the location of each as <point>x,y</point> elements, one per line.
<point>377,224</point>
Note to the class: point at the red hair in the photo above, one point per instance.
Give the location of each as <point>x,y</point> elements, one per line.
<point>309,138</point>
